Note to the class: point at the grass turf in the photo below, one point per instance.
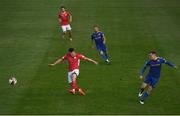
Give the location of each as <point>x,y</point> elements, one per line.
<point>30,39</point>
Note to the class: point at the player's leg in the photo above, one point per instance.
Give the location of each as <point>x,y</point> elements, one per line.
<point>72,81</point>
<point>146,81</point>
<point>101,52</point>
<point>72,77</point>
<point>106,55</point>
<point>70,35</point>
<point>146,94</point>
<point>152,84</point>
<point>74,85</point>
<point>142,88</point>
<point>68,27</point>
<point>63,31</point>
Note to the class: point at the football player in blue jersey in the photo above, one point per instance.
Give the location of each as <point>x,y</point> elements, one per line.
<point>153,75</point>
<point>100,40</point>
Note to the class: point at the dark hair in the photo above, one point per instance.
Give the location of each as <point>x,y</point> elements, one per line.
<point>63,7</point>
<point>152,52</point>
<point>71,50</point>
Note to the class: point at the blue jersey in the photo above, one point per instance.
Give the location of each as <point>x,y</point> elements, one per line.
<point>98,37</point>
<point>155,67</point>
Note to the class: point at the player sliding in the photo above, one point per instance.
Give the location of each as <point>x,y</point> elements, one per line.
<point>100,41</point>
<point>153,76</point>
<point>73,59</point>
<point>65,18</point>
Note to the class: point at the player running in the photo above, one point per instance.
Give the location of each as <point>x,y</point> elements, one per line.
<point>100,41</point>
<point>73,59</point>
<point>65,18</point>
<point>153,76</point>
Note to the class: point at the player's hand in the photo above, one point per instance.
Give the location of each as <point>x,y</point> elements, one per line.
<point>96,63</point>
<point>104,42</point>
<point>141,77</point>
<point>51,64</point>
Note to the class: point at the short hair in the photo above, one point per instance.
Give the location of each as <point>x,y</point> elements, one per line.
<point>71,50</point>
<point>96,26</point>
<point>63,7</point>
<point>153,52</point>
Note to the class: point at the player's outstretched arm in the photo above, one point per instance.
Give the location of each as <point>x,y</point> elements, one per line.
<point>56,62</point>
<point>91,60</point>
<point>104,39</point>
<point>70,18</point>
<point>143,70</point>
<point>92,42</point>
<point>170,64</point>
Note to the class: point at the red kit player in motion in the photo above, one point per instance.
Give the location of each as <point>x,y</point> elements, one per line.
<point>73,59</point>
<point>65,18</point>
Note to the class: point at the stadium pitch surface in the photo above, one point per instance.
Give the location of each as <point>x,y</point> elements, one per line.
<point>30,40</point>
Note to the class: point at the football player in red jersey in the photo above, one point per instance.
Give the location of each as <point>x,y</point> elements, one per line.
<point>73,59</point>
<point>65,18</point>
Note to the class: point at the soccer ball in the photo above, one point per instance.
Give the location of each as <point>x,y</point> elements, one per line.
<point>12,81</point>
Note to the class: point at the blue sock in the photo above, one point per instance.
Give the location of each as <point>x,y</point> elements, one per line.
<point>144,96</point>
<point>104,57</point>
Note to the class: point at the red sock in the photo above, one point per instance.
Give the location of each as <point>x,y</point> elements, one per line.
<point>73,85</point>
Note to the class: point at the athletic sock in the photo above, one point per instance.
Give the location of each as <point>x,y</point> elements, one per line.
<point>73,85</point>
<point>104,57</point>
<point>141,90</point>
<point>144,96</point>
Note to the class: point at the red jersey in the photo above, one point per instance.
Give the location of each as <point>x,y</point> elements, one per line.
<point>73,61</point>
<point>64,16</point>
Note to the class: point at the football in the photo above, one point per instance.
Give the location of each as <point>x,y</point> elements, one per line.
<point>12,81</point>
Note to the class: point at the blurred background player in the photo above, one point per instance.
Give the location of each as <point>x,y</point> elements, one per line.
<point>65,18</point>
<point>153,76</point>
<point>100,41</point>
<point>73,59</point>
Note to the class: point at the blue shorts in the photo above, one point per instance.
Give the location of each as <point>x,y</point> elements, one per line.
<point>101,48</point>
<point>152,81</point>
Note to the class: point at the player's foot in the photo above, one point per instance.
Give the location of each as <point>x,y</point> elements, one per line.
<point>70,39</point>
<point>73,91</point>
<point>140,94</point>
<point>107,61</point>
<point>141,102</point>
<point>81,92</point>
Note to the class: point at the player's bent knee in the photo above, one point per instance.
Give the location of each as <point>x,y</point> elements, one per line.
<point>101,52</point>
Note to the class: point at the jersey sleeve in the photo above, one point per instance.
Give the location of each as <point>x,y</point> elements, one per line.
<point>64,57</point>
<point>102,35</point>
<point>82,57</point>
<point>144,68</point>
<point>167,62</point>
<point>68,14</point>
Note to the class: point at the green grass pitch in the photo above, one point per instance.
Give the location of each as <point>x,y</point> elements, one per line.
<point>30,40</point>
